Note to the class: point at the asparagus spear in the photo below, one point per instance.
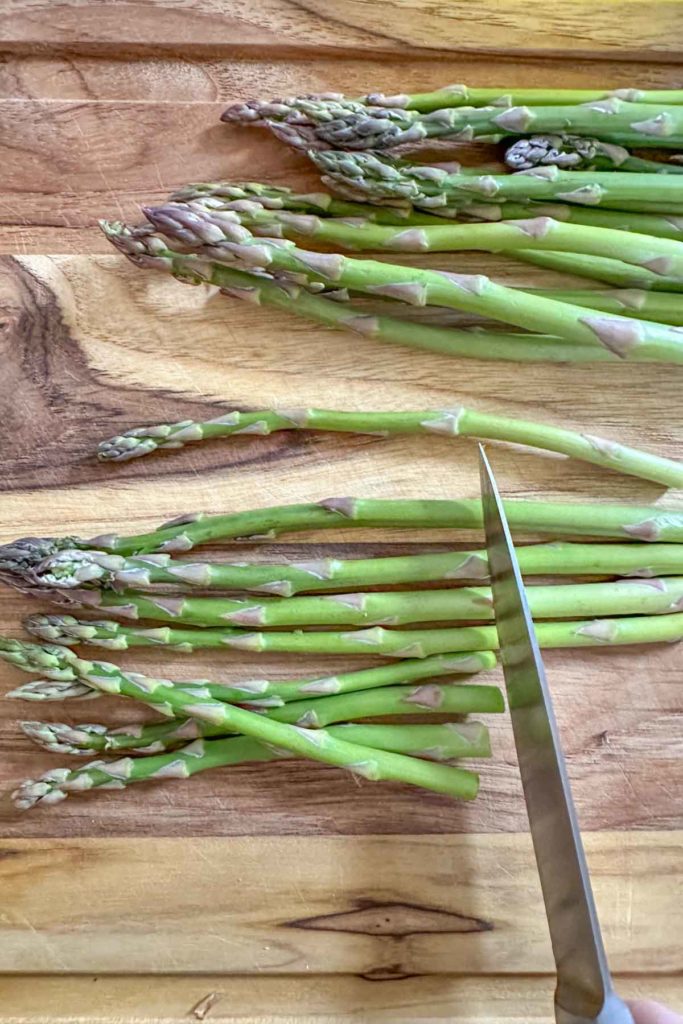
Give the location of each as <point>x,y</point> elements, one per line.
<point>450,341</point>
<point>62,667</point>
<point>237,198</point>
<point>444,742</point>
<point>629,339</point>
<point>661,225</point>
<point>342,124</point>
<point>660,255</point>
<point>394,643</point>
<point>556,518</point>
<point>625,597</point>
<point>455,422</point>
<point>663,307</point>
<point>434,742</point>
<point>379,177</point>
<point>449,96</point>
<point>576,152</point>
<point>55,785</point>
<point>600,268</point>
<point>463,95</point>
<point>317,745</point>
<point>250,196</point>
<point>90,568</point>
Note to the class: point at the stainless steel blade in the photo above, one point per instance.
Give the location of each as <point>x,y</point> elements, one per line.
<point>584,993</point>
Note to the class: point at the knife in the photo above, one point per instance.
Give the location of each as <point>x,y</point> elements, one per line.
<point>584,992</point>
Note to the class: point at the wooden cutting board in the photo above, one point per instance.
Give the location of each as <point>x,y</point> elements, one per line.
<point>290,893</point>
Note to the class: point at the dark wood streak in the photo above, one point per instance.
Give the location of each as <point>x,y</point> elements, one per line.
<point>376,917</point>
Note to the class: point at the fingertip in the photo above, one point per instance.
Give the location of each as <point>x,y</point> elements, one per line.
<point>647,1012</point>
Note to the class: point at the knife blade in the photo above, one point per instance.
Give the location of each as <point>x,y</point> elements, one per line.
<point>584,992</point>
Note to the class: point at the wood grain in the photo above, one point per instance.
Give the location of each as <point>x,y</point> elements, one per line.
<point>200,28</point>
<point>380,907</point>
<point>106,106</point>
<point>297,1000</point>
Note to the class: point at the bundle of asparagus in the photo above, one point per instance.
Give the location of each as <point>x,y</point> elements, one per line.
<point>268,727</point>
<point>215,724</point>
<point>583,204</point>
<point>216,243</point>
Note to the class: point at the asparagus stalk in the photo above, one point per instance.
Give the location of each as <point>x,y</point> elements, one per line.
<point>556,518</point>
<point>433,742</point>
<point>628,339</point>
<point>237,198</point>
<point>458,421</point>
<point>328,123</point>
<point>463,95</point>
<point>251,196</point>
<point>660,225</point>
<point>449,96</point>
<point>475,344</point>
<point>380,178</point>
<point>601,268</point>
<point>90,568</point>
<point>55,785</point>
<point>663,307</point>
<point>62,667</point>
<point>393,643</point>
<point>446,742</point>
<point>572,600</point>
<point>317,745</point>
<point>576,152</point>
<point>660,255</point>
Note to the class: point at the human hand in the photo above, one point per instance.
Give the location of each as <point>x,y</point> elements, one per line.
<point>646,1012</point>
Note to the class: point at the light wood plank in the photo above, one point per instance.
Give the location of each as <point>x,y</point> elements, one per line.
<point>373,905</point>
<point>201,27</point>
<point>324,999</point>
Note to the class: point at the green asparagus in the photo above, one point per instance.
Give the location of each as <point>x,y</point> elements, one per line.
<point>446,742</point>
<point>90,568</point>
<point>571,600</point>
<point>433,742</point>
<point>660,256</point>
<point>316,744</point>
<point>628,339</point>
<point>393,643</point>
<point>61,667</point>
<point>463,95</point>
<point>455,422</point>
<point>601,268</point>
<point>225,196</point>
<point>449,96</point>
<point>474,344</point>
<point>663,307</point>
<point>251,196</point>
<point>332,124</point>
<point>556,518</point>
<point>379,178</point>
